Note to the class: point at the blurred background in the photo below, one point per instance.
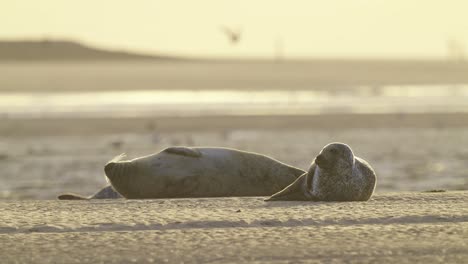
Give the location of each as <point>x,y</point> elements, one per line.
<point>83,81</point>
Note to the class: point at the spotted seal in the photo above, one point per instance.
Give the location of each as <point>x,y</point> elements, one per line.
<point>335,175</point>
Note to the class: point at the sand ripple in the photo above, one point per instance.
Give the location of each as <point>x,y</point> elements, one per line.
<point>134,215</point>
<point>391,228</point>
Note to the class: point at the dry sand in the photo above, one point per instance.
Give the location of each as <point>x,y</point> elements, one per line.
<point>391,227</point>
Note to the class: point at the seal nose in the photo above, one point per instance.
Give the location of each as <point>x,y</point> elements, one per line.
<point>109,168</point>
<point>320,160</point>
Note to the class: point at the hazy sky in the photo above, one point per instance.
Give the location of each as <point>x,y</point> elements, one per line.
<point>372,28</point>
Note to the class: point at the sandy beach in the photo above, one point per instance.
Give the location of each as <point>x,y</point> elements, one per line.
<point>89,83</point>
<point>49,147</point>
<point>399,227</point>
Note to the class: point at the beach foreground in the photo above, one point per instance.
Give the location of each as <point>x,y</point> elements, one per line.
<point>392,227</point>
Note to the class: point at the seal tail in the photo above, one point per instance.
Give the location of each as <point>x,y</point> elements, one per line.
<point>71,196</point>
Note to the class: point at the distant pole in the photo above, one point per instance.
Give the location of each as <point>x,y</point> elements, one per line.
<point>279,52</point>
<point>455,50</point>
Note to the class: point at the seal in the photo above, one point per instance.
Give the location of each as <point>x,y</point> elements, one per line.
<point>105,193</point>
<point>181,172</point>
<point>335,175</point>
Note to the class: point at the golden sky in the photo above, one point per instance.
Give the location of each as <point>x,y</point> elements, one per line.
<point>303,28</point>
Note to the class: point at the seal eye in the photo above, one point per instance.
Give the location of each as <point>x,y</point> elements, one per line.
<point>333,151</point>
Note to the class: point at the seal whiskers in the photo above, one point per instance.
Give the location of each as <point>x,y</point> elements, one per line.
<point>113,164</point>
<point>120,171</point>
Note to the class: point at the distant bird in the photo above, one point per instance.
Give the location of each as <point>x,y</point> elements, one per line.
<point>232,34</point>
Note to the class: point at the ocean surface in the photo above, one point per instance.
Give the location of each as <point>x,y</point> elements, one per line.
<point>108,103</point>
<point>47,89</point>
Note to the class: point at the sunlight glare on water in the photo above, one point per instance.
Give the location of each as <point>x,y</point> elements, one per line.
<point>235,102</point>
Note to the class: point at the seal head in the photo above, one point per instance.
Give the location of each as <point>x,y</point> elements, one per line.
<point>335,156</point>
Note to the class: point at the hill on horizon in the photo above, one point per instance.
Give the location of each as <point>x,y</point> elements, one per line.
<point>25,50</point>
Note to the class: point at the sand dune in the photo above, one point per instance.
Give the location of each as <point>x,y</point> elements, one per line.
<point>392,227</point>
<point>64,50</point>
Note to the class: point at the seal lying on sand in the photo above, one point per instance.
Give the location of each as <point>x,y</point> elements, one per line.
<point>178,172</point>
<point>335,175</point>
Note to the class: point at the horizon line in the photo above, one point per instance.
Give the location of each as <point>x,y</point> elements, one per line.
<point>184,56</point>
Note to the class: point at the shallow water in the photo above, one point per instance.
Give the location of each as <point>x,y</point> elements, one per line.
<point>386,99</point>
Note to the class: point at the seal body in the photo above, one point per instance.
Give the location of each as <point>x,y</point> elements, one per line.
<point>178,172</point>
<point>335,175</point>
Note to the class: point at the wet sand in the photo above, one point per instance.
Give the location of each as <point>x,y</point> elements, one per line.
<point>185,122</point>
<point>392,228</point>
<point>41,158</point>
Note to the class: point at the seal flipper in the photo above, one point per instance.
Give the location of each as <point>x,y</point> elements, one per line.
<point>71,196</point>
<point>293,192</point>
<point>183,151</point>
<point>107,193</point>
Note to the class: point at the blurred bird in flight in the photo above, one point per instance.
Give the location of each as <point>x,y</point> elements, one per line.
<point>232,34</point>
